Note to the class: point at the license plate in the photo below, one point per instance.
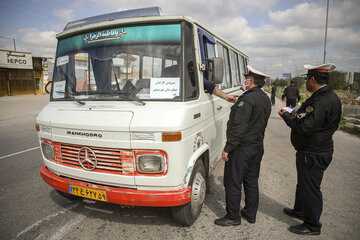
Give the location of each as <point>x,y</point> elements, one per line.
<point>88,193</point>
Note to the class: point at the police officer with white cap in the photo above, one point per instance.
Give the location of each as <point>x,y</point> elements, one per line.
<point>244,149</point>
<point>312,128</point>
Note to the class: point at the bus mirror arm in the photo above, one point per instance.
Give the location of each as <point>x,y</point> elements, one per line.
<point>214,70</point>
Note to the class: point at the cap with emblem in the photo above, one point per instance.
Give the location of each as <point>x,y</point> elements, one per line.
<point>325,68</point>
<point>253,71</point>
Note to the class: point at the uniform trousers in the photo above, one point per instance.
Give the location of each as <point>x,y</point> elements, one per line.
<point>290,102</point>
<point>308,199</point>
<point>242,168</point>
<point>273,99</point>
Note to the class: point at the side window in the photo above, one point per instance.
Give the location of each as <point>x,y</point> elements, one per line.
<point>209,49</point>
<point>227,69</point>
<point>234,69</point>
<point>190,78</point>
<point>223,52</point>
<point>220,53</point>
<point>242,67</point>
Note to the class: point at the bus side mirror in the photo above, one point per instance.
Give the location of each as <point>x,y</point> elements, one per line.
<point>214,70</point>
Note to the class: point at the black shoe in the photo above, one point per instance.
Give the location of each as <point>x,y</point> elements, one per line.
<point>292,213</point>
<point>302,230</point>
<point>226,222</point>
<point>243,214</point>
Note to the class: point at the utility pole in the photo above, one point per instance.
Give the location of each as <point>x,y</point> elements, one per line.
<point>11,39</point>
<point>326,26</point>
<point>282,73</point>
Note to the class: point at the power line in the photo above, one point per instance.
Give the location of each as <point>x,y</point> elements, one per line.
<point>24,13</point>
<point>36,10</point>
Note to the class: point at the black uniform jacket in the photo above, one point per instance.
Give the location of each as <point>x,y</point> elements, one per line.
<point>315,122</point>
<point>273,90</point>
<point>248,120</point>
<point>291,92</point>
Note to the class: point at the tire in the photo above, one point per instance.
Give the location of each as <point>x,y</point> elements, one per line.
<point>68,195</point>
<point>188,213</point>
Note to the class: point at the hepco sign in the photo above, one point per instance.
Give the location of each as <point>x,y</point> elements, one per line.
<point>17,60</point>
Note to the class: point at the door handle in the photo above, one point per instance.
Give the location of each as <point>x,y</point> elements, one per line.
<point>219,107</point>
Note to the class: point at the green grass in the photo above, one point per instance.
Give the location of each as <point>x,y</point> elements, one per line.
<point>342,127</point>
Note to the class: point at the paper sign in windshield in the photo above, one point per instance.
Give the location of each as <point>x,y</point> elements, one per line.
<point>162,88</point>
<point>59,89</point>
<point>62,60</point>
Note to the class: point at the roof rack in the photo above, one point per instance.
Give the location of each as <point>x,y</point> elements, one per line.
<point>140,12</point>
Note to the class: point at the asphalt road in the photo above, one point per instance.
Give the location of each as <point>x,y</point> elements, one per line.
<point>30,209</point>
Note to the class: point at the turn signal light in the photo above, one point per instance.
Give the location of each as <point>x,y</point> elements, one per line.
<point>37,127</point>
<point>171,137</point>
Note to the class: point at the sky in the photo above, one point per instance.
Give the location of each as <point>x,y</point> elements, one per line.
<point>278,35</point>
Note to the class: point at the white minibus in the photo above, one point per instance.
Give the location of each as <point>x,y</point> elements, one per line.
<point>129,120</point>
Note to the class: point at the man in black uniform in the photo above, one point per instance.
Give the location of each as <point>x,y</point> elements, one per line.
<point>244,149</point>
<point>292,95</point>
<point>273,94</point>
<point>312,128</point>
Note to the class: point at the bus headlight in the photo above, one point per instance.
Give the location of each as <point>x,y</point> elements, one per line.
<point>47,149</point>
<point>150,163</point>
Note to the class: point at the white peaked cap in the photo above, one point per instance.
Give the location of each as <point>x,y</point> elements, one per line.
<point>256,72</point>
<point>327,67</point>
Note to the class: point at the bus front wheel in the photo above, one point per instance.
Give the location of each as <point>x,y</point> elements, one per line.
<point>188,213</point>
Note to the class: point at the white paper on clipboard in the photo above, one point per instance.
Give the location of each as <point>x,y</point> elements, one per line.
<point>290,109</point>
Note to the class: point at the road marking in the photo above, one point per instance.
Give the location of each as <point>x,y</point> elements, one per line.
<point>99,210</point>
<point>67,228</point>
<point>47,218</point>
<point>13,154</point>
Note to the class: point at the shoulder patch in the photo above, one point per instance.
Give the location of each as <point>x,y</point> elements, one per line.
<point>301,115</point>
<point>241,103</point>
<point>309,109</point>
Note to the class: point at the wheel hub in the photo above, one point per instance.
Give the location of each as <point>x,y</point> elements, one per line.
<point>198,190</point>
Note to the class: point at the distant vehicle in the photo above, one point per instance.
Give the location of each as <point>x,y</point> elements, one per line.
<point>129,121</point>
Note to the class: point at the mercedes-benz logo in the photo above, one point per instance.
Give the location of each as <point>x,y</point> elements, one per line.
<point>87,158</point>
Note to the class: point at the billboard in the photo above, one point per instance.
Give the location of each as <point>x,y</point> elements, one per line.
<point>286,75</point>
<point>15,60</point>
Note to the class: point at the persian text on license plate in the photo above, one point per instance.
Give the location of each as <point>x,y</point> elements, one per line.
<point>88,193</point>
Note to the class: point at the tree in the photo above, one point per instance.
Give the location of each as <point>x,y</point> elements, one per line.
<point>337,80</point>
<point>299,81</point>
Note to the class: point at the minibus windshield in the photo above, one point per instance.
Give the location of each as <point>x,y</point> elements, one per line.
<point>123,63</point>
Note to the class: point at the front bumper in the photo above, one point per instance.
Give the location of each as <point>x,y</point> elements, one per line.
<point>120,196</point>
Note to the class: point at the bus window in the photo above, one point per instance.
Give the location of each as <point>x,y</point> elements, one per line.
<point>191,83</point>
<point>242,67</point>
<point>234,69</point>
<point>209,49</point>
<point>223,52</point>
<point>227,68</point>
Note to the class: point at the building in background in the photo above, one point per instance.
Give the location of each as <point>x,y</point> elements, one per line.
<point>22,73</point>
<point>350,78</point>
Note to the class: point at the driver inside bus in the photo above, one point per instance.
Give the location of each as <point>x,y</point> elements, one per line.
<point>173,71</point>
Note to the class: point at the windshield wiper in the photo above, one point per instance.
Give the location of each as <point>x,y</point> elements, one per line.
<point>133,97</point>
<point>129,96</point>
<point>73,96</point>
